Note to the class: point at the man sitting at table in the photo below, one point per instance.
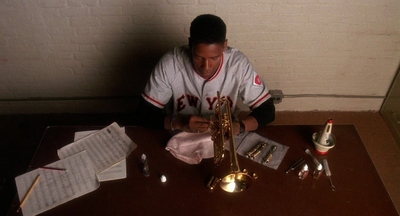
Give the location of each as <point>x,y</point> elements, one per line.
<point>182,90</point>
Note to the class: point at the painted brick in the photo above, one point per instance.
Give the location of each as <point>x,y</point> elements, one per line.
<point>206,1</point>
<point>135,10</point>
<point>114,2</point>
<point>87,48</point>
<point>89,56</point>
<point>58,39</point>
<point>200,9</point>
<point>74,12</point>
<point>188,2</point>
<point>170,10</point>
<point>86,71</point>
<point>286,9</point>
<point>80,3</point>
<point>68,63</point>
<point>53,3</point>
<point>85,22</point>
<point>95,64</point>
<point>115,20</point>
<point>63,56</point>
<point>107,11</point>
<point>90,2</point>
<point>87,39</point>
<point>84,30</point>
<point>57,21</point>
<point>74,3</point>
<point>63,48</point>
<point>67,30</point>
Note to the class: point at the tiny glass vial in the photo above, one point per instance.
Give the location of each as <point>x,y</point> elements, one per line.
<point>146,171</point>
<point>318,171</point>
<point>303,172</point>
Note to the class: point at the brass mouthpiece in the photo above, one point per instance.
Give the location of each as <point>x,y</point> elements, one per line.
<point>269,155</point>
<point>254,152</point>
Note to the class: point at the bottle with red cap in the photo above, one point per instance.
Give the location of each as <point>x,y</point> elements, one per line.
<point>324,136</point>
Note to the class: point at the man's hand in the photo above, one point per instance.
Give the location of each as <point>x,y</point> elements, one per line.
<point>189,123</point>
<point>196,124</point>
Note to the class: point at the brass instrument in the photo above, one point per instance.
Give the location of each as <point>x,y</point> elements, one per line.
<point>222,131</point>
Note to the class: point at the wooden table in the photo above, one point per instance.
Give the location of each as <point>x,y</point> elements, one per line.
<point>359,189</point>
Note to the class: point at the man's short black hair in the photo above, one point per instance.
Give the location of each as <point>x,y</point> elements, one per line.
<point>208,29</point>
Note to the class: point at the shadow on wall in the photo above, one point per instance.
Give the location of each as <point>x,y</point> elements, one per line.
<point>133,58</point>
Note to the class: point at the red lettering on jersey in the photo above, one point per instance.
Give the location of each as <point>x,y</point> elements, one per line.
<point>211,102</point>
<point>180,104</point>
<point>257,80</point>
<point>193,100</point>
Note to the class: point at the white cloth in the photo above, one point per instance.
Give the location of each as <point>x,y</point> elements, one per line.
<point>191,147</point>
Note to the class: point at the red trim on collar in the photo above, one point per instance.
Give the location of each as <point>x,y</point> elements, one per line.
<point>218,70</point>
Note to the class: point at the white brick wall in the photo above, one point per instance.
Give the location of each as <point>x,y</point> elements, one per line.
<point>68,49</point>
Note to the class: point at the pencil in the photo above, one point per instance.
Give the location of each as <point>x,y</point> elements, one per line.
<point>29,192</point>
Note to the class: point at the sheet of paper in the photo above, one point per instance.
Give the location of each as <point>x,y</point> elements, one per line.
<point>57,187</point>
<point>117,171</point>
<point>246,141</point>
<point>105,147</point>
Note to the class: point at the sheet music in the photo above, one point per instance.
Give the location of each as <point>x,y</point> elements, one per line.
<point>117,171</point>
<point>57,187</point>
<point>105,147</point>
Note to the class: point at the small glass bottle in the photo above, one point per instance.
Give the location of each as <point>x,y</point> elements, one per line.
<point>303,172</point>
<point>146,171</point>
<point>318,171</point>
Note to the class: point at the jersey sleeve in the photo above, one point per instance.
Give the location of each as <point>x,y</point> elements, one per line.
<point>253,91</point>
<point>158,90</point>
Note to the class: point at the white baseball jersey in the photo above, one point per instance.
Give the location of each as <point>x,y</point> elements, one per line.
<point>175,77</point>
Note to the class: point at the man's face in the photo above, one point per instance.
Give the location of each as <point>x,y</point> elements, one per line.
<point>207,57</point>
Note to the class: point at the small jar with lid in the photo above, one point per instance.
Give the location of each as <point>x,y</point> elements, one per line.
<point>303,173</point>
